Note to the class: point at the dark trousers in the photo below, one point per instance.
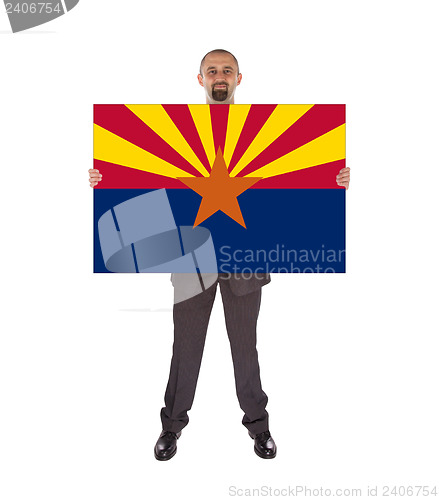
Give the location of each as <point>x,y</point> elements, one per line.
<point>191,318</point>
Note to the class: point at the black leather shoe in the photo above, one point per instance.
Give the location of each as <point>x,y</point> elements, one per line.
<point>265,447</point>
<point>166,446</point>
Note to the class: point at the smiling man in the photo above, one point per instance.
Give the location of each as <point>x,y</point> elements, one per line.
<point>219,75</point>
<point>241,295</point>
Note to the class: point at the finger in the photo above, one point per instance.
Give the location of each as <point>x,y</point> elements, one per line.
<point>345,169</point>
<point>343,177</point>
<point>343,184</point>
<point>94,170</point>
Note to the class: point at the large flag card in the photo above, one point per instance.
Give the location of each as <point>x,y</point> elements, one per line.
<point>219,188</point>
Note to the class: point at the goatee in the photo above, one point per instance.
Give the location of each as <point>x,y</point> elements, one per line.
<point>220,94</point>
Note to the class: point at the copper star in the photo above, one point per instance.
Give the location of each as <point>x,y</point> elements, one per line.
<point>219,191</point>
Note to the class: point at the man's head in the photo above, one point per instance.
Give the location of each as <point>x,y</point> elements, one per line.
<point>219,75</point>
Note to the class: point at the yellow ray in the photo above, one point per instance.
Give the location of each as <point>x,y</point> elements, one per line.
<point>283,116</point>
<point>112,148</point>
<point>328,147</point>
<point>201,115</point>
<point>237,116</point>
<point>155,116</point>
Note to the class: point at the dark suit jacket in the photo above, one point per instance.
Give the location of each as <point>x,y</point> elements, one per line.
<point>244,284</point>
<point>188,284</point>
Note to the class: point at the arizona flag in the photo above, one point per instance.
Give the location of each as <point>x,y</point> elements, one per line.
<point>259,178</point>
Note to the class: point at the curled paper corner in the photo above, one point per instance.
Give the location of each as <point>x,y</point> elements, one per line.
<point>140,236</point>
<point>26,14</point>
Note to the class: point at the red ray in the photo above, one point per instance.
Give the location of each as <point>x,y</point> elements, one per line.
<point>318,120</point>
<point>256,118</point>
<point>120,120</point>
<point>182,118</point>
<point>317,177</point>
<point>219,116</point>
<point>120,177</point>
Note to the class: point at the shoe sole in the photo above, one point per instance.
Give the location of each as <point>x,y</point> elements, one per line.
<point>163,459</point>
<point>259,454</point>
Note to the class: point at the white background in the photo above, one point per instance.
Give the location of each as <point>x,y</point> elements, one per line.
<point>349,362</point>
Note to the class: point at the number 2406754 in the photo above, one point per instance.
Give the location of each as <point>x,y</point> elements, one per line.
<point>34,8</point>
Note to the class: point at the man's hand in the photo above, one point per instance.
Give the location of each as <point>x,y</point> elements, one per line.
<point>95,177</point>
<point>343,177</point>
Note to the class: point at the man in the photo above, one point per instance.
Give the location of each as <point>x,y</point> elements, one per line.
<point>219,76</point>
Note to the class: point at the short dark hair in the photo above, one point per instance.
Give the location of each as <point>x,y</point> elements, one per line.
<point>218,51</point>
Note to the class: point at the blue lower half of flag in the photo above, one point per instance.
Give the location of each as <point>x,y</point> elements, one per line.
<point>287,230</point>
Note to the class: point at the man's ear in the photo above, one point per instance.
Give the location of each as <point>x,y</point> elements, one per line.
<point>239,79</point>
<point>200,80</point>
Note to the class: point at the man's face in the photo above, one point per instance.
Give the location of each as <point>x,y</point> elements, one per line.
<point>219,78</point>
